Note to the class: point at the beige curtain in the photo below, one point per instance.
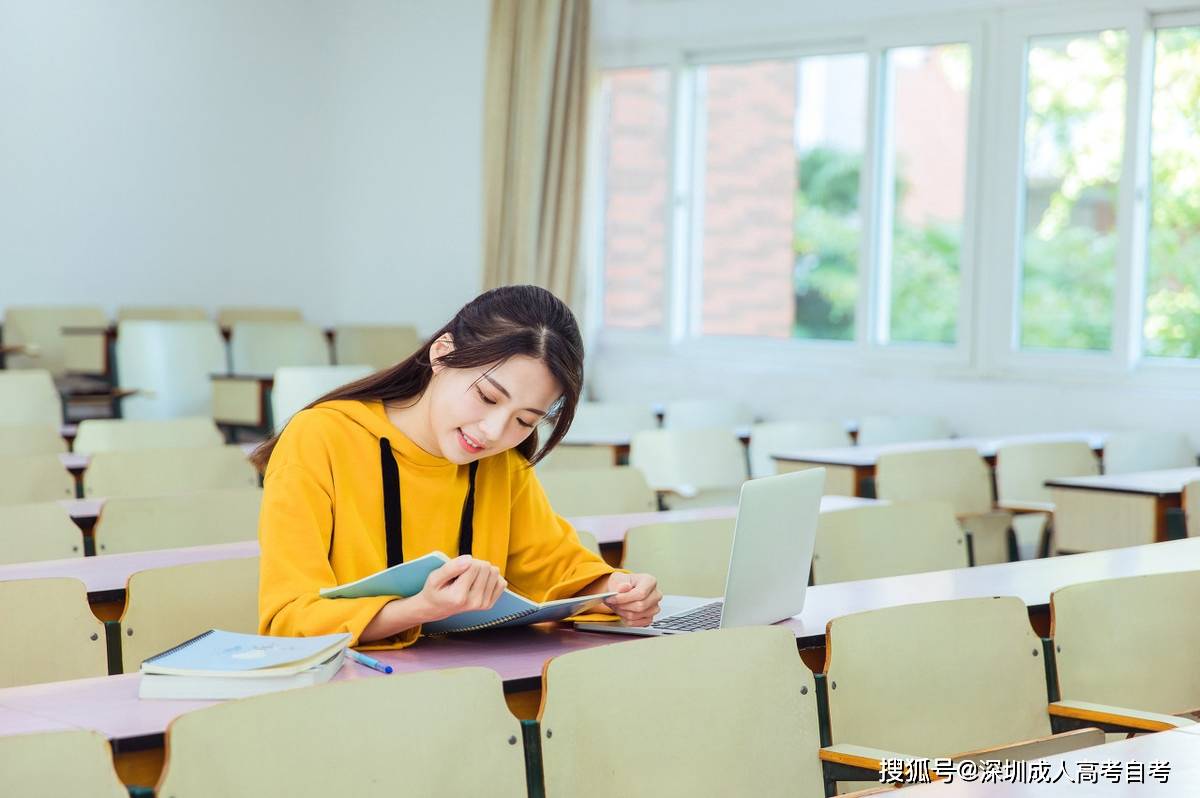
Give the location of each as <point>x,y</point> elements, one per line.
<point>535,128</point>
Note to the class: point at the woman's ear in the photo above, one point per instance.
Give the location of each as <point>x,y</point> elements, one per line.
<point>443,346</point>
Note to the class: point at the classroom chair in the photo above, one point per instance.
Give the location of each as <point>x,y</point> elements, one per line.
<point>958,477</point>
<point>34,478</point>
<point>169,364</point>
<point>605,420</point>
<point>124,435</point>
<point>588,541</point>
<point>1129,642</point>
<point>706,414</point>
<point>781,436</point>
<point>201,518</point>
<point>260,347</point>
<point>598,491</point>
<point>163,607</point>
<point>1021,472</point>
<point>48,633</point>
<point>689,558</point>
<point>880,430</point>
<point>378,346</point>
<point>296,387</point>
<point>887,540</point>
<point>1191,508</point>
<point>1147,450</point>
<point>74,763</point>
<point>569,457</point>
<point>40,329</point>
<point>694,468</point>
<point>161,313</point>
<point>17,440</point>
<point>449,733</point>
<point>157,472</point>
<point>34,532</point>
<point>29,397</point>
<point>229,316</point>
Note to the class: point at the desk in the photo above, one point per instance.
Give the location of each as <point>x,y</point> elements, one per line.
<point>848,467</point>
<point>90,350</point>
<point>619,442</point>
<point>78,463</point>
<point>242,401</point>
<point>1110,511</point>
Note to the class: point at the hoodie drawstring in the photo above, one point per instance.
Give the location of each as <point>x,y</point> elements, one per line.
<point>391,506</point>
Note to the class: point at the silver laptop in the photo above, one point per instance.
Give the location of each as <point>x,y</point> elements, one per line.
<point>768,566</point>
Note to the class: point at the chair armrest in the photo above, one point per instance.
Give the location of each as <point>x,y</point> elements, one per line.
<point>1115,719</point>
<point>845,762</point>
<point>1018,506</point>
<point>1038,747</point>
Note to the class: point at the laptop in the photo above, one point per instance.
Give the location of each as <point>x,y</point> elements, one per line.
<point>769,564</point>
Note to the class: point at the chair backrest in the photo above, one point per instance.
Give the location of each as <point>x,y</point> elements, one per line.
<point>887,540</point>
<point>459,738</point>
<point>689,558</point>
<point>698,459</point>
<point>379,346</point>
<point>229,316</point>
<point>706,414</point>
<point>778,436</point>
<point>162,608</point>
<point>40,327</point>
<point>76,763</point>
<point>931,680</point>
<point>48,633</point>
<point>158,472</point>
<point>598,491</point>
<point>261,347</point>
<point>29,397</point>
<point>880,430</point>
<point>34,478</point>
<point>125,435</point>
<point>1191,508</point>
<point>33,532</point>
<point>296,386</point>
<point>161,313</point>
<point>729,712</point>
<point>1022,468</point>
<point>171,363</point>
<point>588,541</point>
<point>605,419</point>
<point>1147,450</point>
<point>134,523</point>
<point>959,477</point>
<point>23,439</point>
<point>1153,667</point>
<point>572,456</point>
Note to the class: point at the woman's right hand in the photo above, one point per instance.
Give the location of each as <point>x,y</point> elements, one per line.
<point>461,585</point>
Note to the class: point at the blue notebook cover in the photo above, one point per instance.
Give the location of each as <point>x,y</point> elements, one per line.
<point>219,652</point>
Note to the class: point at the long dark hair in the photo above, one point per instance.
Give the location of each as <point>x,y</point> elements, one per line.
<point>505,322</point>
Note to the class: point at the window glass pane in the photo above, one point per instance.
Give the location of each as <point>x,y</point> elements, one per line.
<point>780,230</point>
<point>931,88</point>
<point>1074,133</point>
<point>636,106</point>
<point>1172,324</point>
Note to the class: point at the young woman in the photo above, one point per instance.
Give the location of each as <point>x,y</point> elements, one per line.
<point>434,453</point>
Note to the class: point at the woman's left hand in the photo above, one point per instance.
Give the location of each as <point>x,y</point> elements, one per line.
<point>637,599</point>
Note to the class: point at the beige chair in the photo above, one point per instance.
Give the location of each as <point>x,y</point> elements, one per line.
<point>1191,508</point>
<point>161,313</point>
<point>40,329</point>
<point>730,712</point>
<point>51,764</point>
<point>261,347</point>
<point>202,518</point>
<point>958,477</point>
<point>157,472</point>
<point>706,414</point>
<point>689,558</point>
<point>696,468</point>
<point>607,420</point>
<point>880,430</point>
<point>1021,472</point>
<point>588,541</point>
<point>17,440</point>
<point>34,478</point>
<point>162,608</point>
<point>48,633</point>
<point>1131,452</point>
<point>598,491</point>
<point>227,317</point>
<point>295,387</point>
<point>34,532</point>
<point>566,457</point>
<point>169,364</point>
<point>29,397</point>
<point>123,435</point>
<point>380,346</point>
<point>781,436</point>
<point>887,540</point>
<point>457,738</point>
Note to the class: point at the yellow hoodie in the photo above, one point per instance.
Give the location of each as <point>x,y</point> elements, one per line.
<point>322,521</point>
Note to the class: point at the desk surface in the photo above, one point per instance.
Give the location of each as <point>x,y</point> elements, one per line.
<point>79,462</point>
<point>1155,483</point>
<point>867,456</point>
<point>624,438</point>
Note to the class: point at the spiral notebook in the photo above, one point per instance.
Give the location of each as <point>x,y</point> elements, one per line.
<point>511,609</point>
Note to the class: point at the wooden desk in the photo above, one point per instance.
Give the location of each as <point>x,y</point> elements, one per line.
<point>242,401</point>
<point>848,469</point>
<point>1110,511</point>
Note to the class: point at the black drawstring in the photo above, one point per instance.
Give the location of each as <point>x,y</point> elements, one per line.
<point>391,507</point>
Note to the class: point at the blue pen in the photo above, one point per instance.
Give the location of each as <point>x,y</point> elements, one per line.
<point>370,662</point>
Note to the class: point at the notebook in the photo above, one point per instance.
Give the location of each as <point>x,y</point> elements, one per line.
<point>217,665</point>
<point>511,609</point>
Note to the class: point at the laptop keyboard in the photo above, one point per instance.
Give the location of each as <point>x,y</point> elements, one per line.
<point>706,616</point>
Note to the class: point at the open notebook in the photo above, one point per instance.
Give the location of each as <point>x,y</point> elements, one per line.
<point>407,579</point>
